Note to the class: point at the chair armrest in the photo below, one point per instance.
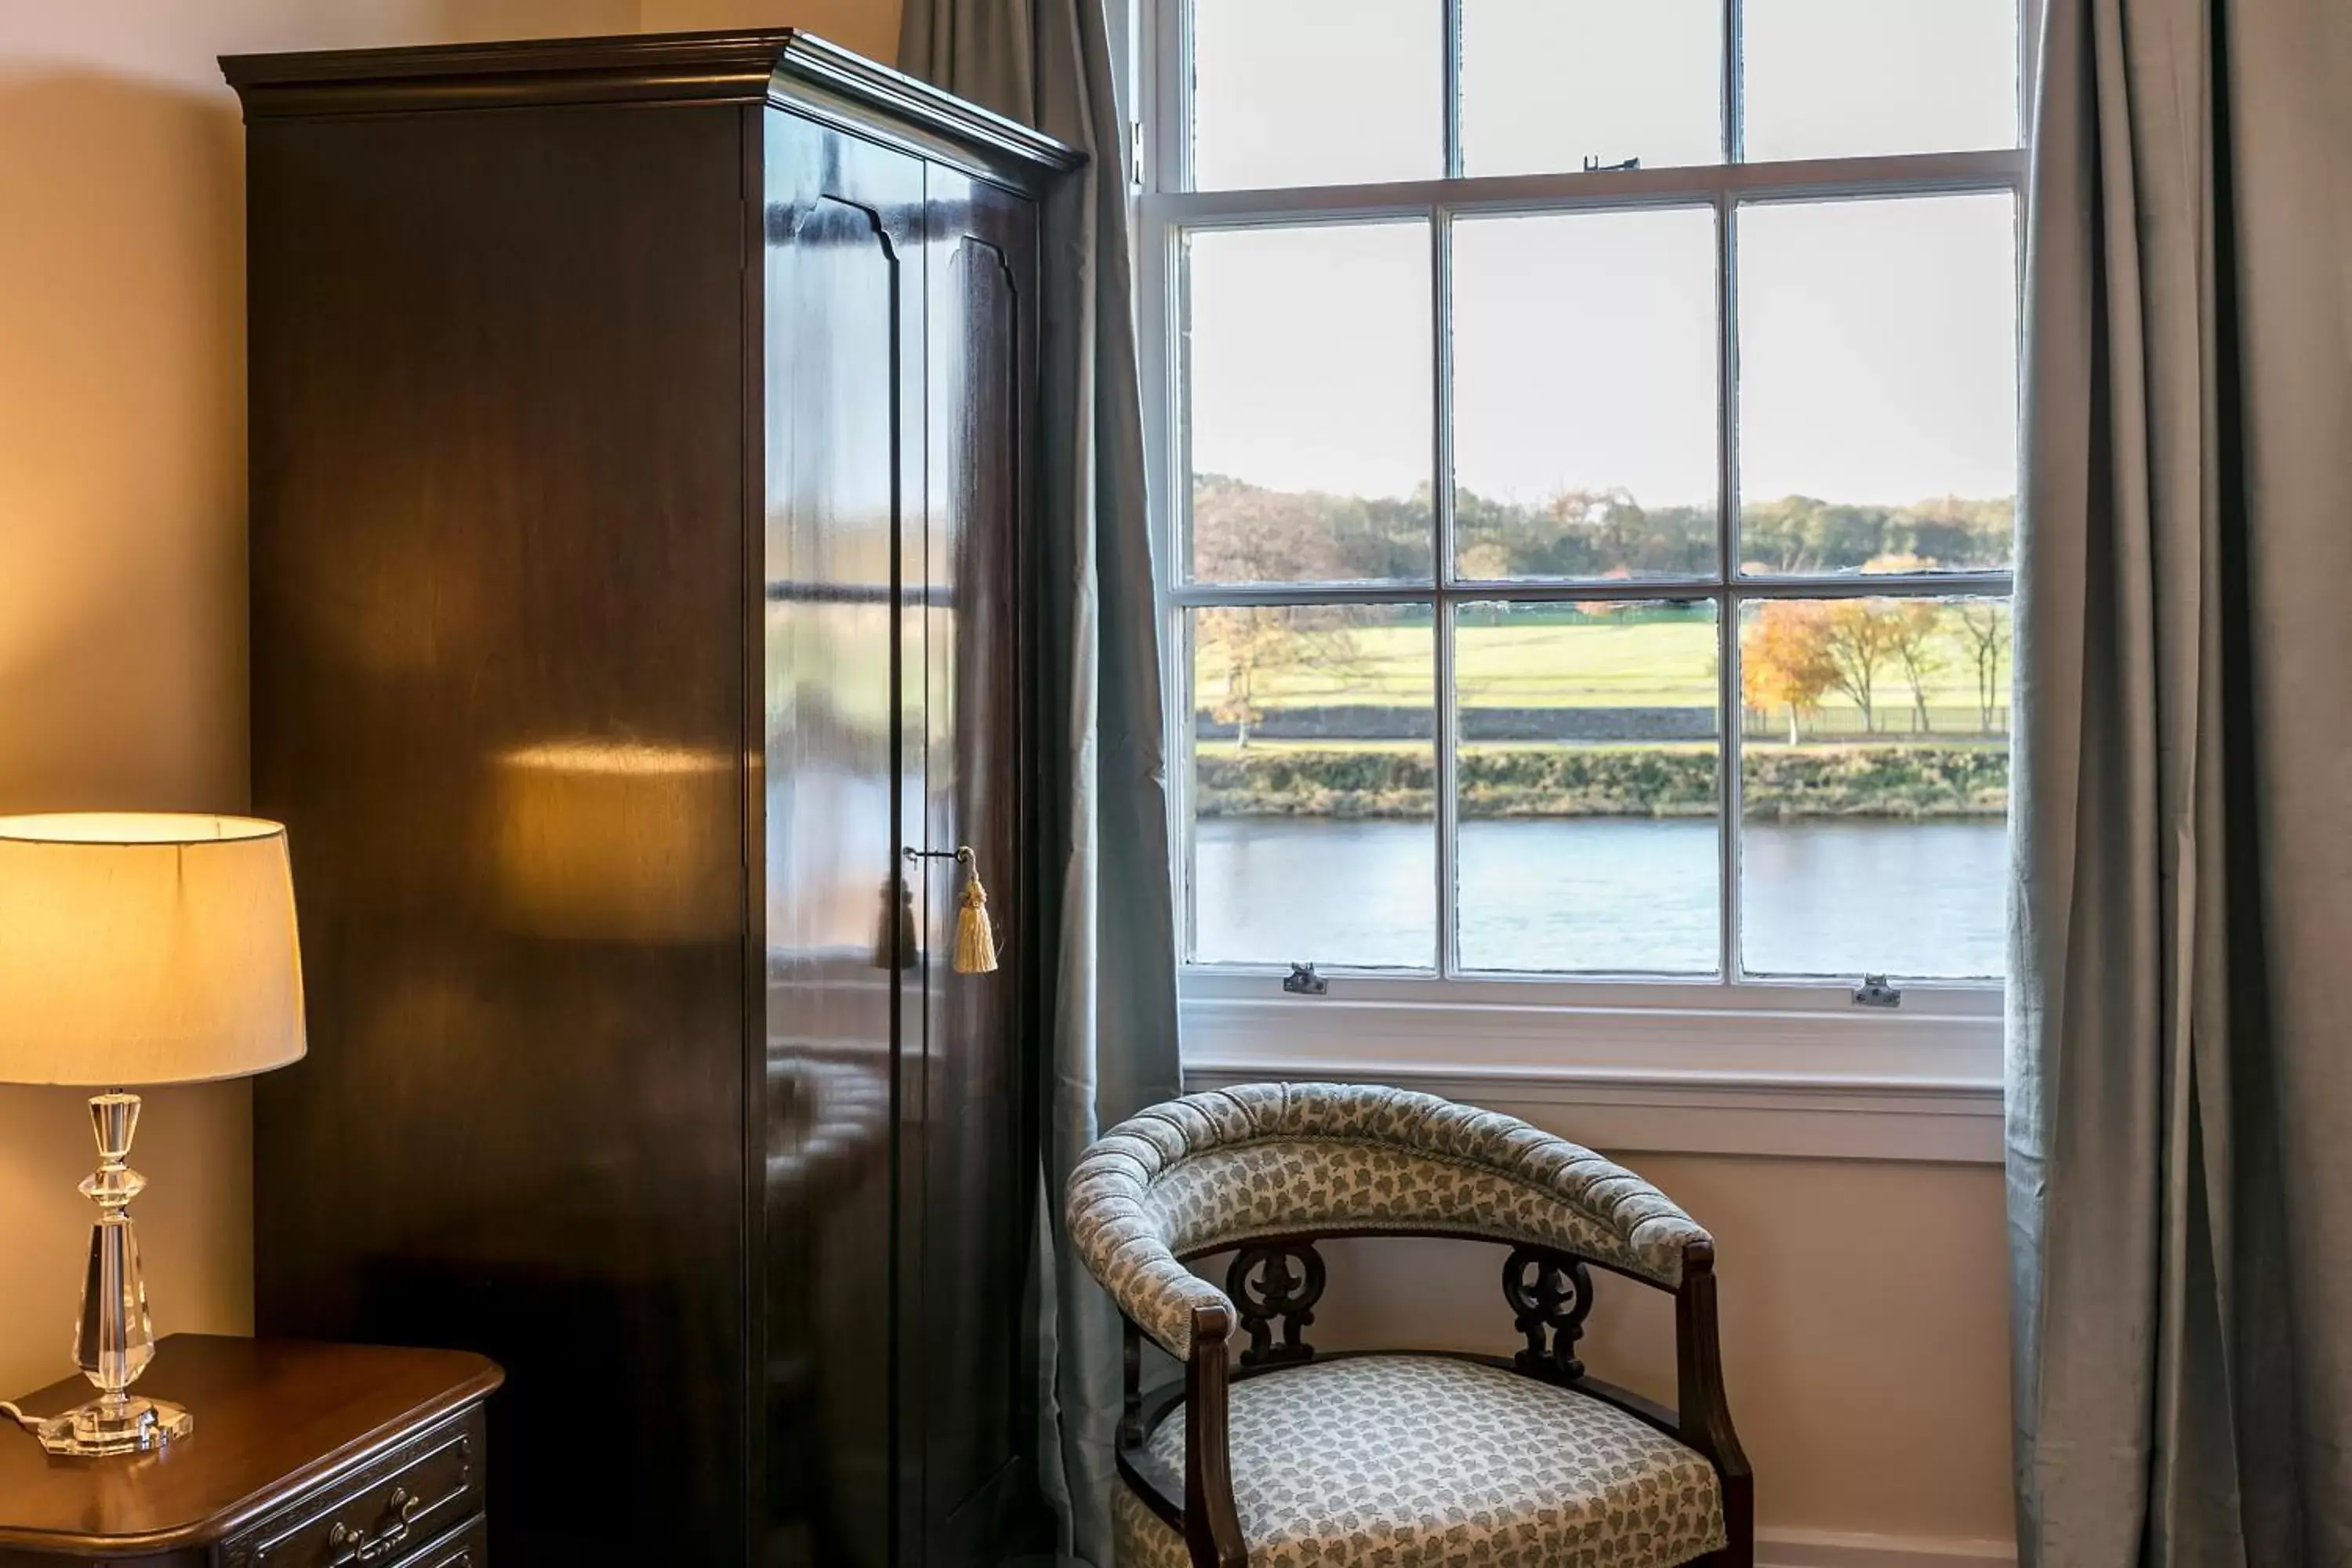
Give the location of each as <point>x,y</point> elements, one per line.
<point>1213,1526</point>
<point>1123,1247</point>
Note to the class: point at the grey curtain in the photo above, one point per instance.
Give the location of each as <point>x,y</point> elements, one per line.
<point>1112,1023</point>
<point>2180,1050</point>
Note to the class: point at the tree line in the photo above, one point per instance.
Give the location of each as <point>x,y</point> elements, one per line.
<point>1244,532</point>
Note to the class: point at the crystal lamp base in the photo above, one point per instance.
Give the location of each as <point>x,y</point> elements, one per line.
<point>114,1340</point>
<point>125,1425</point>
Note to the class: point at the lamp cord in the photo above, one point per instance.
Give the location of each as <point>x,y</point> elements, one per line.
<point>29,1423</point>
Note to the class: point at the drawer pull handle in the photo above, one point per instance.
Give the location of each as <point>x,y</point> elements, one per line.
<point>356,1544</point>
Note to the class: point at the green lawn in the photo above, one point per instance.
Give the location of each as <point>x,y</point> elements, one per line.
<point>1586,663</point>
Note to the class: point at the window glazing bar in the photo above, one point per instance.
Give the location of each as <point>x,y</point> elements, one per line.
<point>1859,585</point>
<point>1453,25</point>
<point>1446,699</point>
<point>1819,179</point>
<point>1730,732</point>
<point>1735,82</point>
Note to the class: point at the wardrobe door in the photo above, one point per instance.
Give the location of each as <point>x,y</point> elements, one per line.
<point>979,1174</point>
<point>844,397</point>
<point>498,406</point>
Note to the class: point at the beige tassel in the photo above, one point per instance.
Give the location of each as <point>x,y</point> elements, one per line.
<point>975,938</point>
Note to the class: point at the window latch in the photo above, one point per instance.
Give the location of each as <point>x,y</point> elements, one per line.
<point>1302,981</point>
<point>1593,165</point>
<point>1875,992</point>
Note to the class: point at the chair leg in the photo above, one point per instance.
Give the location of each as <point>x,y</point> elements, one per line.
<point>1738,1549</point>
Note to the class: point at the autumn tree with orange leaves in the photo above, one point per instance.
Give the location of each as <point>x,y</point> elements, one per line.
<point>1784,660</point>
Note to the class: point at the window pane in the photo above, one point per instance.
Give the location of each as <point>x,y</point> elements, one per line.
<point>1314,785</point>
<point>1875,786</point>
<point>1834,78</point>
<point>1308,401</point>
<point>1878,384</point>
<point>1587,767</point>
<point>1548,84</point>
<point>1316,92</point>
<point>1584,396</point>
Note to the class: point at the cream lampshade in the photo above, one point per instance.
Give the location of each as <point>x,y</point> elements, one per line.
<point>139,949</point>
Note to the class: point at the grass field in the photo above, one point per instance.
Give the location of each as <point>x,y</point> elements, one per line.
<point>1586,662</point>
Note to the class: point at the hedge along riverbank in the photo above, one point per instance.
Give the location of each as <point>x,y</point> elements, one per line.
<point>1788,783</point>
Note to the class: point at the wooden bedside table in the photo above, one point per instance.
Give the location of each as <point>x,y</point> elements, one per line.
<point>304,1455</point>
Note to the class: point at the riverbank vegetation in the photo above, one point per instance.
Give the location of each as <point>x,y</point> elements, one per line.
<point>1908,780</point>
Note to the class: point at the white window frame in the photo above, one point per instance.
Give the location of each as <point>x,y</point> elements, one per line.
<point>1734,1063</point>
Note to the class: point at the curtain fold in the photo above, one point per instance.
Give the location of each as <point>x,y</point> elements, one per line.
<point>1103,864</point>
<point>2180,1070</point>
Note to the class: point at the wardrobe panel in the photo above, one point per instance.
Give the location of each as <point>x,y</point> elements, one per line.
<point>498,664</point>
<point>977,1180</point>
<point>844,312</point>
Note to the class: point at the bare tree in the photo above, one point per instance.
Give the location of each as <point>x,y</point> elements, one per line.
<point>1245,656</point>
<point>1915,625</point>
<point>1984,624</point>
<point>1243,534</point>
<point>1858,636</point>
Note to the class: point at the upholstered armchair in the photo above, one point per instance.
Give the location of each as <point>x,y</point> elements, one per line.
<point>1296,1461</point>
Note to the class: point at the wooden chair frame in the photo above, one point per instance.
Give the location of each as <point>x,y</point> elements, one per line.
<point>1550,1312</point>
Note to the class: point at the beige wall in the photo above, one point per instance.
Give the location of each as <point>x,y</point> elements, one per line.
<point>122,536</point>
<point>1865,1333</point>
<point>1864,1322</point>
<point>870,26</point>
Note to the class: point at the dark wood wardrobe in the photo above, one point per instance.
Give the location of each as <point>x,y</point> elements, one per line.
<point>642,455</point>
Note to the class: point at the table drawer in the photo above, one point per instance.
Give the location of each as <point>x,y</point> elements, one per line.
<point>464,1547</point>
<point>378,1516</point>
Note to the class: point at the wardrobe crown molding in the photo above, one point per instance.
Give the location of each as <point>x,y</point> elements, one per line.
<point>786,67</point>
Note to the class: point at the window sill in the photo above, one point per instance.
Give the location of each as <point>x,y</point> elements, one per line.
<point>1923,1084</point>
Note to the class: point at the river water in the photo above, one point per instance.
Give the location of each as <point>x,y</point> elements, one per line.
<point>1619,895</point>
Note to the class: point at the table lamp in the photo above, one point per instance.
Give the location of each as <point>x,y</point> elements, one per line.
<point>137,949</point>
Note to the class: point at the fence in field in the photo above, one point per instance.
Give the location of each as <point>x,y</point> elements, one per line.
<point>1339,724</point>
<point>1890,720</point>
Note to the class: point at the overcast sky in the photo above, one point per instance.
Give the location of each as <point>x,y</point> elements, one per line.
<point>1877,338</point>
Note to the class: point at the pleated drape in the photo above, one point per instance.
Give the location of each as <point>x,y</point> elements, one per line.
<point>1112,1023</point>
<point>2180,1059</point>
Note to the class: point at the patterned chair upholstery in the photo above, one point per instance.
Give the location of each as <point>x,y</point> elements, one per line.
<point>1396,1460</point>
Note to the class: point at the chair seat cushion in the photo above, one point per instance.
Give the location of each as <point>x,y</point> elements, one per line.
<point>1404,1461</point>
